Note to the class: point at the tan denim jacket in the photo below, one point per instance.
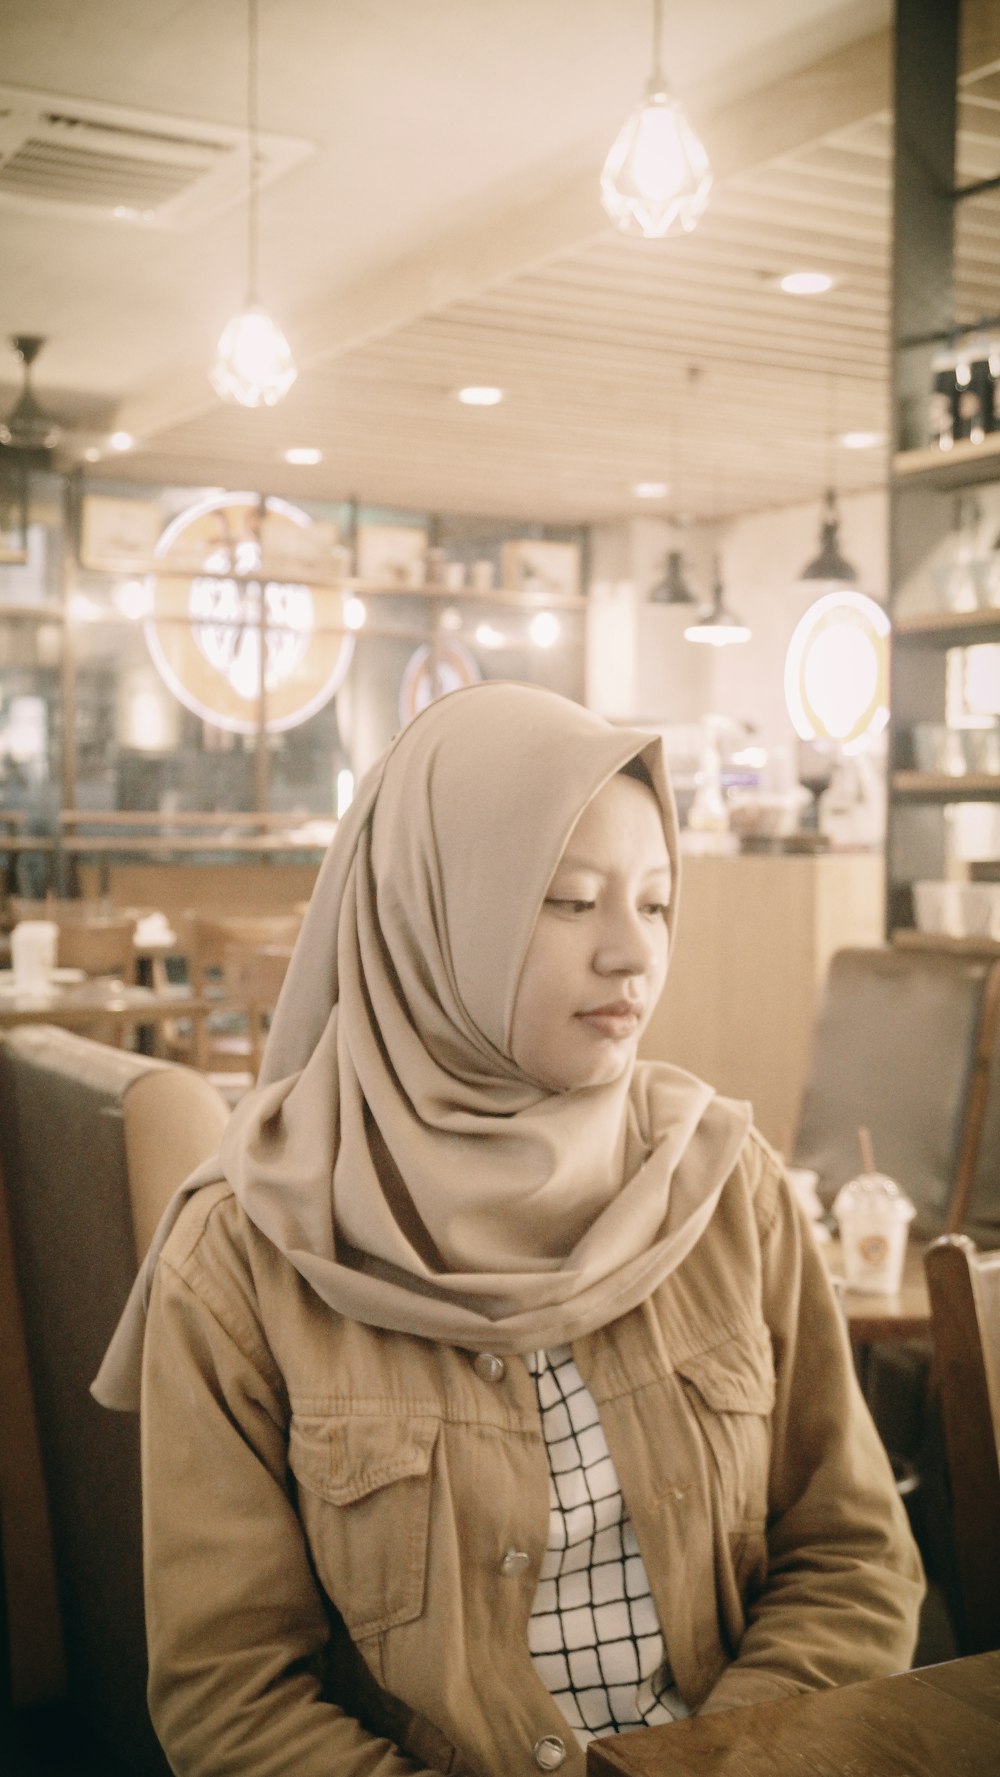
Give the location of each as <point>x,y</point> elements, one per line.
<point>303,1473</point>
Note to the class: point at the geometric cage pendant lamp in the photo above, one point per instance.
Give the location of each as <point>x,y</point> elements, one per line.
<point>253,362</point>
<point>656,178</point>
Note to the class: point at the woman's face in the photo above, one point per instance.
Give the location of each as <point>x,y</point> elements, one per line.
<point>598,955</point>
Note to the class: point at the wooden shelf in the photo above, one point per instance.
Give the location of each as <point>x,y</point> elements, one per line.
<point>938,786</point>
<point>41,612</point>
<point>943,629</point>
<point>524,598</point>
<point>961,466</point>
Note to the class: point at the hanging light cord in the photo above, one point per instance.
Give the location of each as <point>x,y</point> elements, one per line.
<point>252,137</point>
<point>656,76</point>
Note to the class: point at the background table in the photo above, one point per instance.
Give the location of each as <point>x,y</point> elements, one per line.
<point>105,1007</point>
<point>877,1320</point>
<point>940,1721</point>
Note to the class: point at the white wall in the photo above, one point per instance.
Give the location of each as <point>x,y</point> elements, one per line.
<point>640,665</point>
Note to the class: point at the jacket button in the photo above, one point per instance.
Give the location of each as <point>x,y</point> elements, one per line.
<point>515,1561</point>
<point>489,1367</point>
<point>549,1752</point>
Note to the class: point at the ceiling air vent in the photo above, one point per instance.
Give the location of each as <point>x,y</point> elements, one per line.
<point>102,163</point>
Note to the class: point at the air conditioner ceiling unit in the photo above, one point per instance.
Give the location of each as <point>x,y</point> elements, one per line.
<point>106,163</point>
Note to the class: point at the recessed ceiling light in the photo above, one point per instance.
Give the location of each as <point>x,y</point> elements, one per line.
<point>862,440</point>
<point>91,454</point>
<point>650,490</point>
<point>807,283</point>
<point>483,395</point>
<point>303,454</point>
<point>121,441</point>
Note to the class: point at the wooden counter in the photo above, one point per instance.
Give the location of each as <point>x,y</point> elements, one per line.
<point>754,940</point>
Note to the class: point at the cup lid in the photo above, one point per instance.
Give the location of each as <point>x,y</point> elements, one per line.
<point>873,1193</point>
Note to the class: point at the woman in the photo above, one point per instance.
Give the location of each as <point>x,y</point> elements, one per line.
<point>493,1393</point>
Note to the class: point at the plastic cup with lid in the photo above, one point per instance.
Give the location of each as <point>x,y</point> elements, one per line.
<point>33,945</point>
<point>873,1218</point>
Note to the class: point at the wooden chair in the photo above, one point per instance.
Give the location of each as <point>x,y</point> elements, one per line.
<point>964,1287</point>
<point>230,1040</point>
<point>252,976</point>
<point>98,946</point>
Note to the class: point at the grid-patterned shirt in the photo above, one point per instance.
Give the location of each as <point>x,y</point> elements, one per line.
<point>593,1634</point>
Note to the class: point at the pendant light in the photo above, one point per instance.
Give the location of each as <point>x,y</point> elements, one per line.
<point>672,588</point>
<point>715,624</point>
<point>830,568</point>
<point>656,177</point>
<point>253,361</point>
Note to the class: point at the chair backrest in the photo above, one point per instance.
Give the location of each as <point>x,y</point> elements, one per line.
<point>900,1042</point>
<point>253,976</point>
<point>98,946</point>
<point>93,1142</point>
<point>964,1287</point>
<point>208,935</point>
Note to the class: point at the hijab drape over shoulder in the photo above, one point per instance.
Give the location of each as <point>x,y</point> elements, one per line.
<point>393,1150</point>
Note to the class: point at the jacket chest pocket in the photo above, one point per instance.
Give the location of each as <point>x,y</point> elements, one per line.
<point>364,1499</point>
<point>731,1390</point>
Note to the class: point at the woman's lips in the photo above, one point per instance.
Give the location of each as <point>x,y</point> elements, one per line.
<point>619,1019</point>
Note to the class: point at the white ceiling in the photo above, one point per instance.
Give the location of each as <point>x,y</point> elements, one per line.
<point>443,226</point>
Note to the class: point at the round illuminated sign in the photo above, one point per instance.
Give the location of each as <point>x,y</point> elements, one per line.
<point>426,679</point>
<point>204,632</point>
<point>837,669</point>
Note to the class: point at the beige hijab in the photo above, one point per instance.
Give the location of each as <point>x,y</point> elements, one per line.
<point>393,1150</point>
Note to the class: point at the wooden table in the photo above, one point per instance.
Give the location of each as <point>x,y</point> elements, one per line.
<point>100,1005</point>
<point>941,1721</point>
<point>878,1320</point>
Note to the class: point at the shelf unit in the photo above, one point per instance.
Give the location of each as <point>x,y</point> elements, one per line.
<point>925,480</point>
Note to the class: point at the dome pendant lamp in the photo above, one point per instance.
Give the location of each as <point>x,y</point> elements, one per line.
<point>253,361</point>
<point>830,567</point>
<point>715,624</point>
<point>656,178</point>
<point>672,588</point>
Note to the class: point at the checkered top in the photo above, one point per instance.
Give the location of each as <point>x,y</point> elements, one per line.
<point>593,1634</point>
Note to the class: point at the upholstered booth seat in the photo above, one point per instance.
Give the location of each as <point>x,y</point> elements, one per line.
<point>902,1041</point>
<point>93,1141</point>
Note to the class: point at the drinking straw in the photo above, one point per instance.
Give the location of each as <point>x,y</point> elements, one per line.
<point>867,1151</point>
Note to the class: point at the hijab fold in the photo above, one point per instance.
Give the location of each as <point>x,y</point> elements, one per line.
<point>393,1150</point>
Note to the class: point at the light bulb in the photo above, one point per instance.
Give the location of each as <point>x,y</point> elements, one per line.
<point>544,629</point>
<point>253,363</point>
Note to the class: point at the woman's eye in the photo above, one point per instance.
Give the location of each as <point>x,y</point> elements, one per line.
<point>565,905</point>
<point>657,909</point>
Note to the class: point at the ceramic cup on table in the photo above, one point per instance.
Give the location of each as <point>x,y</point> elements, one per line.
<point>33,947</point>
<point>873,1219</point>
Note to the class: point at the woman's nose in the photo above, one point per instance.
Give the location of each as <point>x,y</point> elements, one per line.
<point>626,948</point>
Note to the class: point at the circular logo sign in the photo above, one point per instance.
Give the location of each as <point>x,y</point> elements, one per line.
<point>837,669</point>
<point>225,630</point>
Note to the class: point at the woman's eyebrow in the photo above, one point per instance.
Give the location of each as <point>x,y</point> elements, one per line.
<point>571,862</point>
